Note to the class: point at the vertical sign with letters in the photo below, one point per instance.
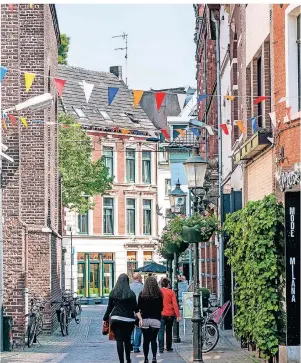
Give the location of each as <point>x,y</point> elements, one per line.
<point>292,258</point>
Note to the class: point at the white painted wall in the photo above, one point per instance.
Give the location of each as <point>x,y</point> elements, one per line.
<point>257,28</point>
<point>163,200</point>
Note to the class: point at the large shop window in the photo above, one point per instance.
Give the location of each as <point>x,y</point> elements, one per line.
<point>147,257</point>
<point>109,160</point>
<point>83,223</point>
<point>108,215</point>
<point>132,263</point>
<point>130,165</point>
<point>146,167</point>
<point>147,217</point>
<point>131,216</point>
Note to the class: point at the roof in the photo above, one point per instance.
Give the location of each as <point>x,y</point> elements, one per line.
<point>121,111</point>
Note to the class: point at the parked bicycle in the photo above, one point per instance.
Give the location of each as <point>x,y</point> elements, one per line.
<point>35,321</point>
<point>70,308</point>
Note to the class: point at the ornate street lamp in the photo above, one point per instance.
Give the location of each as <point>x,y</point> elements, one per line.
<point>195,168</point>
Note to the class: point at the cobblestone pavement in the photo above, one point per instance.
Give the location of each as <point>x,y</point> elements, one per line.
<point>85,343</point>
<point>227,349</point>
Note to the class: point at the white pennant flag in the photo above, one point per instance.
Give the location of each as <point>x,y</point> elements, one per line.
<point>87,87</point>
<point>209,129</point>
<point>181,100</point>
<point>273,118</point>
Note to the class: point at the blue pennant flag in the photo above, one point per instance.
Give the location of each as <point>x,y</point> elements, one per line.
<point>202,97</point>
<point>138,132</point>
<point>197,123</point>
<point>195,131</point>
<point>254,124</point>
<point>112,91</point>
<point>3,71</point>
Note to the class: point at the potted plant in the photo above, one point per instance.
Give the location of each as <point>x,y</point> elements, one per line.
<point>172,236</point>
<point>199,228</point>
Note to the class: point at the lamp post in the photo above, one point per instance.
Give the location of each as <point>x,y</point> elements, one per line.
<point>178,206</point>
<point>195,168</point>
<point>34,103</point>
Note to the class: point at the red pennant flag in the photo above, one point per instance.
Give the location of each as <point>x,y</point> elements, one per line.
<point>11,7</point>
<point>165,133</point>
<point>59,84</point>
<point>13,119</point>
<point>115,128</point>
<point>159,99</point>
<point>225,129</point>
<point>260,99</point>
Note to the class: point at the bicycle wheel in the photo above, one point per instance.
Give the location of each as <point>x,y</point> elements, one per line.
<point>31,330</point>
<point>78,316</point>
<point>210,337</point>
<point>63,322</point>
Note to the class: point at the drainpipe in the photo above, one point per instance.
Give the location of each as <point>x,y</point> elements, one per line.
<point>220,188</point>
<point>24,225</point>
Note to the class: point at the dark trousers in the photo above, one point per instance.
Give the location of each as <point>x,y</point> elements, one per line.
<point>150,337</point>
<point>166,325</point>
<point>123,331</point>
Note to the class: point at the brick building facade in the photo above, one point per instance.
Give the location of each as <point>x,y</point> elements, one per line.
<point>31,202</point>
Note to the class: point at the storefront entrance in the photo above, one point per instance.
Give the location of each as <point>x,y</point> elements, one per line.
<point>95,274</point>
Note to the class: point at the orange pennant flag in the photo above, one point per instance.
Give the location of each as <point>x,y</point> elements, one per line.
<point>4,124</point>
<point>181,132</point>
<point>29,78</point>
<point>13,119</point>
<point>137,97</point>
<point>24,122</point>
<point>124,131</point>
<point>230,98</point>
<point>241,127</point>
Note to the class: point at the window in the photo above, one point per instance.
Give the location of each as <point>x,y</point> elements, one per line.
<point>163,155</point>
<point>83,223</point>
<point>146,167</point>
<point>130,165</point>
<point>109,160</point>
<point>147,216</point>
<point>167,187</point>
<point>80,113</point>
<point>147,257</point>
<point>259,91</point>
<point>108,216</point>
<point>105,115</point>
<point>132,263</point>
<point>131,216</point>
<point>299,59</point>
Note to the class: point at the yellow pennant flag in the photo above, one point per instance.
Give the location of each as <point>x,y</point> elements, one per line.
<point>241,127</point>
<point>29,78</point>
<point>125,131</point>
<point>230,98</point>
<point>31,6</point>
<point>137,97</point>
<point>4,124</point>
<point>181,132</point>
<point>24,122</point>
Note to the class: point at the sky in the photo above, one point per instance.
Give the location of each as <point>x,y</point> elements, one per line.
<point>161,50</point>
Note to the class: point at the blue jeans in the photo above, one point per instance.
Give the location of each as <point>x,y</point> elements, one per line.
<point>136,338</point>
<point>166,327</point>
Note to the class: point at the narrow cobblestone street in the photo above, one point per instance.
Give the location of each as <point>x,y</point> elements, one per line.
<point>85,343</point>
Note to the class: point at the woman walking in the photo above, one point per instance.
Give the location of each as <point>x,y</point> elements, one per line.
<point>121,308</point>
<point>169,313</point>
<point>150,304</point>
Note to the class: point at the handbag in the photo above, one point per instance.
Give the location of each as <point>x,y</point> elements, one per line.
<point>105,328</point>
<point>111,333</point>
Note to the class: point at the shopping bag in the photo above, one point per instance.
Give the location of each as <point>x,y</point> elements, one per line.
<point>105,328</point>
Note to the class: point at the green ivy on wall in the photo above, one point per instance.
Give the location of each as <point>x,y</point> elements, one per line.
<point>255,252</point>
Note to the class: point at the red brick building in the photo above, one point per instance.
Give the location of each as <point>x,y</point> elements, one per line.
<point>31,197</point>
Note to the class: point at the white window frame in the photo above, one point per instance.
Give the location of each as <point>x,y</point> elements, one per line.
<point>136,215</point>
<point>115,159</point>
<point>115,216</point>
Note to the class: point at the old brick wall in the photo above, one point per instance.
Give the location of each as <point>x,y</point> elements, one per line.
<point>28,43</point>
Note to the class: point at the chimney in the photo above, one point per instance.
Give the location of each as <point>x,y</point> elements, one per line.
<point>117,71</point>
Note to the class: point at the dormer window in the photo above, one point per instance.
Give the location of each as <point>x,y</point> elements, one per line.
<point>80,113</point>
<point>105,115</point>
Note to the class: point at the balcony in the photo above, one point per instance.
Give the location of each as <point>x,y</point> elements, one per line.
<point>253,146</point>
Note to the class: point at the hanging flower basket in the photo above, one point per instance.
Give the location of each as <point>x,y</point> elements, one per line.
<point>176,247</point>
<point>199,229</point>
<point>191,234</point>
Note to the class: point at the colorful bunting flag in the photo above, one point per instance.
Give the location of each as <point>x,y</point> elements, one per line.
<point>4,123</point>
<point>197,123</point>
<point>181,132</point>
<point>260,99</point>
<point>40,122</point>
<point>254,124</point>
<point>59,84</point>
<point>112,91</point>
<point>241,127</point>
<point>11,7</point>
<point>273,118</point>
<point>282,99</point>
<point>195,131</point>
<point>209,129</point>
<point>138,132</point>
<point>181,100</point>
<point>165,133</point>
<point>229,97</point>
<point>87,87</point>
<point>31,6</point>
<point>3,71</point>
<point>29,78</point>
<point>159,99</point>
<point>224,127</point>
<point>24,122</point>
<point>187,99</point>
<point>137,97</point>
<point>201,97</point>
<point>124,131</point>
<point>116,128</point>
<point>12,119</point>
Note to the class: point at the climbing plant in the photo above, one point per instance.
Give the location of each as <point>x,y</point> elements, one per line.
<point>255,253</point>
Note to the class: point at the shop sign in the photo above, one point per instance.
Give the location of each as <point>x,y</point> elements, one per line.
<point>292,241</point>
<point>287,179</point>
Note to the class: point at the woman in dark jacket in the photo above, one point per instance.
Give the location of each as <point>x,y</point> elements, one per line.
<point>121,312</point>
<point>150,304</point>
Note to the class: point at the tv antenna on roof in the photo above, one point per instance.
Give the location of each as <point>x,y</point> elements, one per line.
<point>125,38</point>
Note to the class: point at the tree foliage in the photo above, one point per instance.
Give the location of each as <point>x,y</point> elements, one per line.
<point>81,176</point>
<point>63,49</point>
<point>255,253</point>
